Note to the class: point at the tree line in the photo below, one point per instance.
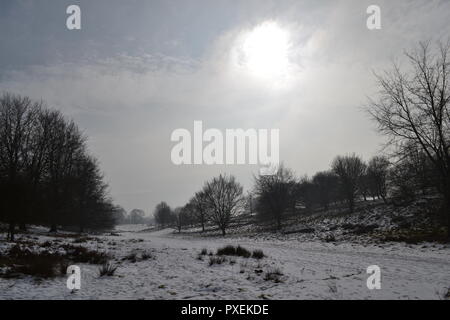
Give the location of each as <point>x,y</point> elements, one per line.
<point>411,109</point>
<point>47,175</point>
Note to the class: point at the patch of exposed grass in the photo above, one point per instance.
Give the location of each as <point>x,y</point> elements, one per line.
<point>216,260</point>
<point>107,269</point>
<point>416,236</point>
<point>273,274</point>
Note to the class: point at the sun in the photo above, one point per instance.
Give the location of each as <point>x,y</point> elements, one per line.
<point>264,51</point>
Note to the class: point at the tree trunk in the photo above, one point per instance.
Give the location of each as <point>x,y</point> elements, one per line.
<point>11,230</point>
<point>223,232</point>
<point>22,227</point>
<point>53,228</point>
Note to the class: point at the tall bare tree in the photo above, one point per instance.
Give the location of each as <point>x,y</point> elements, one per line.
<point>413,108</point>
<point>223,196</point>
<point>200,208</point>
<point>275,194</point>
<point>18,122</point>
<point>326,185</point>
<point>377,176</point>
<point>349,169</point>
<point>46,175</point>
<point>163,214</point>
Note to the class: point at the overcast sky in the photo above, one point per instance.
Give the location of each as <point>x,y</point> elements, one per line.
<point>137,70</point>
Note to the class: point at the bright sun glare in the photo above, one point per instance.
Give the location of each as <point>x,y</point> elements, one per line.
<point>265,49</point>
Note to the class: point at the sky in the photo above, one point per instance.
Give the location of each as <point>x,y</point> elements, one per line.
<point>137,70</point>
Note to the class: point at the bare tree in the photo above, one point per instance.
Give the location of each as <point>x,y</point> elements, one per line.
<point>137,216</point>
<point>349,169</point>
<point>275,194</point>
<point>377,175</point>
<point>223,196</point>
<point>326,185</point>
<point>413,108</point>
<point>18,120</point>
<point>200,208</point>
<point>66,144</point>
<point>179,218</point>
<point>162,214</point>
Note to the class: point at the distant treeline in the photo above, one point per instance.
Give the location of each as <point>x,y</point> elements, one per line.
<point>47,176</point>
<point>277,196</point>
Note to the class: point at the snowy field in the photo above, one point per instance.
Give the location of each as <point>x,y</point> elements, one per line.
<point>310,270</point>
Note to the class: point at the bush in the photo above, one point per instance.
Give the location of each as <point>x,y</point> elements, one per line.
<point>146,256</point>
<point>234,251</point>
<point>204,252</point>
<point>216,260</point>
<point>42,264</point>
<point>273,275</point>
<point>107,269</point>
<point>83,239</point>
<point>84,255</point>
<point>258,254</point>
<point>226,251</point>
<point>132,257</point>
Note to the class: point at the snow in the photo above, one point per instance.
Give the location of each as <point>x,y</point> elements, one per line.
<point>311,270</point>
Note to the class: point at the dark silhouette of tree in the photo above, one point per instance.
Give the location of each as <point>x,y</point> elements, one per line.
<point>349,169</point>
<point>223,196</point>
<point>18,120</point>
<point>179,216</point>
<point>46,174</point>
<point>413,108</point>
<point>275,194</point>
<point>120,215</point>
<point>199,205</point>
<point>163,214</point>
<point>326,185</point>
<point>377,177</point>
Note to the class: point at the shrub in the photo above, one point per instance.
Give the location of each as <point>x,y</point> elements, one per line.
<point>83,239</point>
<point>146,256</point>
<point>204,252</point>
<point>132,257</point>
<point>274,275</point>
<point>234,251</point>
<point>107,269</point>
<point>258,254</point>
<point>42,264</point>
<point>242,252</point>
<point>226,251</point>
<point>84,255</point>
<point>216,260</point>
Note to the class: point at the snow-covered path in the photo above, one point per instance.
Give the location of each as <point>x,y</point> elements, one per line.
<point>310,271</point>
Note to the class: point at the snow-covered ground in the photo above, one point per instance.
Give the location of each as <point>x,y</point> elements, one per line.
<point>311,270</point>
